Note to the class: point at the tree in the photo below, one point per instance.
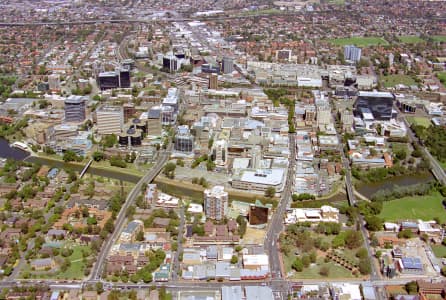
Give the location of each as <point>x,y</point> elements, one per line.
<point>353,239</point>
<point>98,156</point>
<point>362,253</point>
<point>364,266</point>
<point>306,261</point>
<point>270,192</point>
<point>411,287</point>
<point>234,259</point>
<point>406,234</point>
<point>324,271</point>
<point>140,236</point>
<point>298,265</point>
<point>169,170</point>
<point>99,287</point>
<point>70,155</point>
<point>374,223</point>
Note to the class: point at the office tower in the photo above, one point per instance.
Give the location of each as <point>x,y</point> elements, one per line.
<point>216,203</point>
<point>172,99</point>
<point>129,111</point>
<point>110,119</point>
<point>108,80</point>
<point>378,104</point>
<point>213,81</point>
<point>352,53</point>
<point>167,116</point>
<point>184,140</point>
<point>154,121</point>
<point>54,82</point>
<point>75,109</point>
<point>170,63</point>
<point>124,78</point>
<point>323,116</point>
<point>227,65</point>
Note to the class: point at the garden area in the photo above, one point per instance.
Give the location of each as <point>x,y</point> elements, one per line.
<point>71,262</point>
<point>324,251</point>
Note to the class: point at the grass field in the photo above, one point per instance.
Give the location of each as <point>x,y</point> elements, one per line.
<point>422,121</point>
<point>392,80</point>
<point>76,269</point>
<point>442,77</point>
<point>439,250</point>
<point>399,146</point>
<point>410,39</point>
<point>312,272</point>
<point>359,41</point>
<point>422,207</point>
<point>439,38</point>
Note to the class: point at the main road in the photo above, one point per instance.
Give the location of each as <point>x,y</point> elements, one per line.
<point>98,267</point>
<point>276,224</point>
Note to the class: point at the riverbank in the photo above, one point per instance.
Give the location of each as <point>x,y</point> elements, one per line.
<point>130,175</point>
<point>367,190</point>
<point>194,192</point>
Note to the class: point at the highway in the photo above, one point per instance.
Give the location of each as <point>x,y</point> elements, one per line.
<point>98,267</point>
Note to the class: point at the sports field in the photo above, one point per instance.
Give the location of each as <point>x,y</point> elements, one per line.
<point>418,207</point>
<point>392,80</point>
<point>422,121</point>
<point>360,41</point>
<point>439,38</point>
<point>410,39</point>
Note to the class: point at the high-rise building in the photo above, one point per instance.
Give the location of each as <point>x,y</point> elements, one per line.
<point>124,78</point>
<point>378,104</point>
<point>184,140</point>
<point>75,109</point>
<point>54,82</point>
<point>108,80</point>
<point>216,203</point>
<point>213,81</point>
<point>391,59</point>
<point>170,62</point>
<point>129,111</point>
<point>352,53</point>
<point>115,79</point>
<point>323,116</point>
<point>110,119</point>
<point>167,115</point>
<point>227,65</point>
<point>221,152</point>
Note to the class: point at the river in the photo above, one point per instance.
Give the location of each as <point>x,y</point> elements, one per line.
<point>369,189</point>
<point>7,151</point>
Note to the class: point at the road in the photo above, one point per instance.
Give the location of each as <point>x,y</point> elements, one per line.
<point>98,267</point>
<point>276,224</point>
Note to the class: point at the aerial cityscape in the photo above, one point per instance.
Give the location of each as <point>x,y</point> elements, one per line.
<point>222,150</point>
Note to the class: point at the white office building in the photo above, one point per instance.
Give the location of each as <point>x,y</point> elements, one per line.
<point>110,119</point>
